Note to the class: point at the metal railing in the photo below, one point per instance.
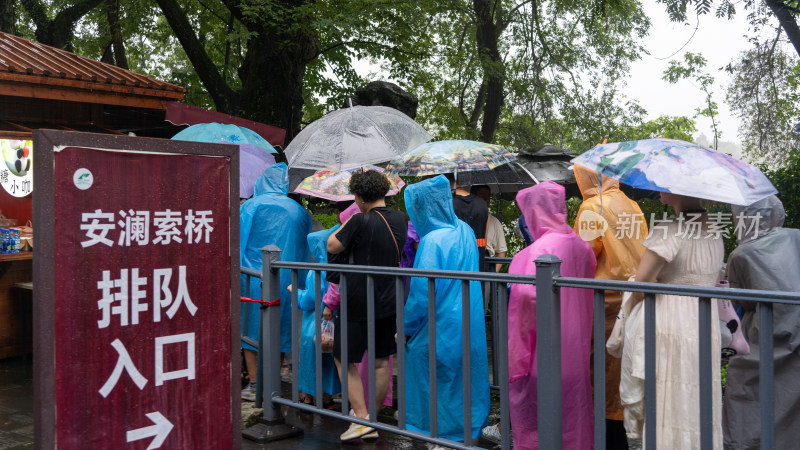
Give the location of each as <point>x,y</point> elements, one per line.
<point>548,283</point>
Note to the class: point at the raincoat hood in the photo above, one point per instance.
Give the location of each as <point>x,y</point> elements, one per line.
<point>758,219</point>
<point>318,243</point>
<point>429,205</point>
<point>544,208</point>
<point>349,212</point>
<point>589,184</point>
<point>274,180</point>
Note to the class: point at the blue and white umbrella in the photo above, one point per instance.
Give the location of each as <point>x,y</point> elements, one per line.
<point>679,167</point>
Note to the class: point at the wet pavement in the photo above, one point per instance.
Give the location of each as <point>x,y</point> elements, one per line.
<point>16,403</point>
<point>16,420</point>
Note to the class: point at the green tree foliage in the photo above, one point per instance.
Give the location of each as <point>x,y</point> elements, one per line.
<point>560,63</point>
<point>787,180</point>
<point>693,68</point>
<point>765,93</point>
<point>669,127</point>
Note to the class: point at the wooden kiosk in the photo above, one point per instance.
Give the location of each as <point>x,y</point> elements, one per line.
<point>45,87</point>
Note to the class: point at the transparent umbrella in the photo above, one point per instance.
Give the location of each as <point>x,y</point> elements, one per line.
<point>355,136</point>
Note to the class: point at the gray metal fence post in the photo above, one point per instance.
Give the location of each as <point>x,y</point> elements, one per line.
<point>548,351</point>
<point>766,374</point>
<point>271,427</point>
<point>705,372</point>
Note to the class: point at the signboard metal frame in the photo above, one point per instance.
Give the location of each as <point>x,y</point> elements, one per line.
<point>44,262</point>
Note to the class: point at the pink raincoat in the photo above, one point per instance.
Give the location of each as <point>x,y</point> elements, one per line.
<point>545,213</point>
<point>332,299</point>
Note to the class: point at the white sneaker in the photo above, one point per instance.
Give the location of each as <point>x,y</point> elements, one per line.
<point>249,392</point>
<point>357,431</point>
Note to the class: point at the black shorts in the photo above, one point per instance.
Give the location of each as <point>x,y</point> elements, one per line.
<point>385,344</point>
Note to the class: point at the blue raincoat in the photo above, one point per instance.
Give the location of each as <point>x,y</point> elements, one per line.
<point>445,243</point>
<point>270,217</point>
<point>306,298</point>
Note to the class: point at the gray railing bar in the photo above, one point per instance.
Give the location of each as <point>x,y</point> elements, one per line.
<point>296,326</point>
<point>372,408</point>
<point>407,272</point>
<point>704,364</point>
<point>318,334</point>
<point>650,370</point>
<point>250,272</point>
<point>495,321</point>
<point>343,337</point>
<point>677,289</point>
<point>260,375</point>
<point>502,348</point>
<point>498,260</point>
<point>246,308</point>
<point>400,295</point>
<point>377,425</point>
<point>250,341</point>
<point>599,369</point>
<point>766,375</point>
<point>586,283</point>
<point>548,353</point>
<point>269,356</point>
<point>466,348</point>
<point>433,400</point>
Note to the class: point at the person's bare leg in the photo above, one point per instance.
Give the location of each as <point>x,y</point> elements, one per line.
<point>251,362</point>
<point>383,376</point>
<point>355,390</point>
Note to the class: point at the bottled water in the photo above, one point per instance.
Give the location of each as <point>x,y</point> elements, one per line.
<point>5,241</point>
<point>15,236</point>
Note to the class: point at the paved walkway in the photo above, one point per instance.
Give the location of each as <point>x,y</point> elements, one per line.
<point>16,420</point>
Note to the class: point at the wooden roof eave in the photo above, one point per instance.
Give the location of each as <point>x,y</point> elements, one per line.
<point>90,93</point>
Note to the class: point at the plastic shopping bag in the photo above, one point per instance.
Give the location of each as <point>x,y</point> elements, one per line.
<point>327,336</point>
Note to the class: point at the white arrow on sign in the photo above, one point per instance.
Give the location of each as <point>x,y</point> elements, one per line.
<point>160,430</point>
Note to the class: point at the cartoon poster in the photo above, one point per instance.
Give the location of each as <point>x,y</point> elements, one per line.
<point>16,175</point>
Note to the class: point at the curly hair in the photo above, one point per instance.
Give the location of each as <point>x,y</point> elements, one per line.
<point>370,185</point>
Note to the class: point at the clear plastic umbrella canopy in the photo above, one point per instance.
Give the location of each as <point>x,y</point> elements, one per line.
<point>679,167</point>
<point>353,137</point>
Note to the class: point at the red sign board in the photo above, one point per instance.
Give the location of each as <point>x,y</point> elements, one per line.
<point>141,299</point>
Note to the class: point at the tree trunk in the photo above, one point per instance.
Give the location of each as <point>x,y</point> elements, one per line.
<point>787,21</point>
<point>57,32</point>
<point>206,70</point>
<point>272,77</point>
<point>112,12</point>
<point>7,16</point>
<point>487,34</point>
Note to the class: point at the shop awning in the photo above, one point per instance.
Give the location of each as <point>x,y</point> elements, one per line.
<point>183,114</point>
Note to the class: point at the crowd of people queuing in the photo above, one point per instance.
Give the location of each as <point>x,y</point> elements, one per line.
<point>450,228</point>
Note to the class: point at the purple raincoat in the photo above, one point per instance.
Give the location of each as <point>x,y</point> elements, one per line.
<point>545,213</point>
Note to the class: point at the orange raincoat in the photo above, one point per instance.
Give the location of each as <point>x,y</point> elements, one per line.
<point>618,250</point>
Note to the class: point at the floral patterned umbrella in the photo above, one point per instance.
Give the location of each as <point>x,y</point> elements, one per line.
<point>679,167</point>
<point>335,185</point>
<point>450,157</point>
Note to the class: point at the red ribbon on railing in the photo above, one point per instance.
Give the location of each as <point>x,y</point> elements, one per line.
<point>265,302</point>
